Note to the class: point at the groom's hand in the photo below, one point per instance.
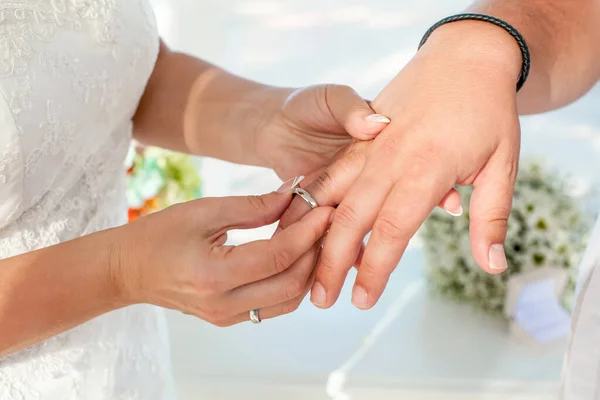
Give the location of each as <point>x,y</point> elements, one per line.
<point>454,122</point>
<point>328,187</point>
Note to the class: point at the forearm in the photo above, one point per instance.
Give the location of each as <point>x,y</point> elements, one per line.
<point>49,291</point>
<point>562,36</point>
<point>192,106</point>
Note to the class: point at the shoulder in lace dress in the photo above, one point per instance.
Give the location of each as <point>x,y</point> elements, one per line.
<point>71,75</point>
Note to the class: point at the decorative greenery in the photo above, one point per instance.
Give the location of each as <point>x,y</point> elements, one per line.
<point>546,228</point>
<point>159,178</point>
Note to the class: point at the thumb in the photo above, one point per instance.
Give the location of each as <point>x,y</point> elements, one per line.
<point>247,212</point>
<point>354,113</point>
<point>489,212</point>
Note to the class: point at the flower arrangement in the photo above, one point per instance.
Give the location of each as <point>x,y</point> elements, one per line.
<point>546,228</point>
<point>157,179</point>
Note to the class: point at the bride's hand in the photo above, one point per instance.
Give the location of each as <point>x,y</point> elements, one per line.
<point>178,259</point>
<point>310,125</point>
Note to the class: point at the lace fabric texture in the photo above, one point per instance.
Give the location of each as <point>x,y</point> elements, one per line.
<point>71,76</point>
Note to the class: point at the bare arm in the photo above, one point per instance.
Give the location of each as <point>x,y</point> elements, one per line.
<point>563,37</point>
<point>49,291</point>
<point>175,259</point>
<point>195,107</point>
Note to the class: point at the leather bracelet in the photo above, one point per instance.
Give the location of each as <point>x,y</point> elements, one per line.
<point>495,21</point>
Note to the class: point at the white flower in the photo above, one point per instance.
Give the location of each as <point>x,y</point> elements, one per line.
<point>544,229</point>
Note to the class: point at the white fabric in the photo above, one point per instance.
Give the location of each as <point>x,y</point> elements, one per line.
<point>71,75</point>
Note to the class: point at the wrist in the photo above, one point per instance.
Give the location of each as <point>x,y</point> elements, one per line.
<point>121,280</point>
<point>225,113</point>
<point>482,45</point>
<point>270,102</point>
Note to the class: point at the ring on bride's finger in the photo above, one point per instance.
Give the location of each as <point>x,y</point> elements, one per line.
<point>254,317</point>
<point>306,197</point>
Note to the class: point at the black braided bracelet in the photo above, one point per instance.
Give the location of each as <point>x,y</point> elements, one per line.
<point>498,22</point>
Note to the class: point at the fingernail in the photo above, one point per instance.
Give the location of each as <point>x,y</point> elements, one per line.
<point>318,296</point>
<point>360,297</point>
<point>456,213</point>
<point>497,258</point>
<point>378,118</point>
<point>290,184</point>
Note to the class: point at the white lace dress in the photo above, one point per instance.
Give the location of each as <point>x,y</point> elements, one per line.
<point>71,75</point>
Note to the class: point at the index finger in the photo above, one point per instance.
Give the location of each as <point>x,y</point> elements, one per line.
<point>261,259</point>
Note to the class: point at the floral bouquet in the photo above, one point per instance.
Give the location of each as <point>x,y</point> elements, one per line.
<point>157,179</point>
<point>546,229</point>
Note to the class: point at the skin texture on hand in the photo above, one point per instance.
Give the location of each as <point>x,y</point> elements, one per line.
<point>329,186</point>
<point>311,126</point>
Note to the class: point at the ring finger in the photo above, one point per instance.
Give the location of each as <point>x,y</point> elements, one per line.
<point>277,309</point>
<point>275,290</point>
<point>329,187</point>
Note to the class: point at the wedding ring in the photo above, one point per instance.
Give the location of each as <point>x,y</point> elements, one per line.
<point>254,317</point>
<point>306,197</point>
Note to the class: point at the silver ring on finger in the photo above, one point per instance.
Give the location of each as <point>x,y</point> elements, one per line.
<point>307,197</point>
<point>254,317</point>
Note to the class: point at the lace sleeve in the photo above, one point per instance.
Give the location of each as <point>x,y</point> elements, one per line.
<point>11,166</point>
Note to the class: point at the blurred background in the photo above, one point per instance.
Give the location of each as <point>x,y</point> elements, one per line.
<point>414,344</point>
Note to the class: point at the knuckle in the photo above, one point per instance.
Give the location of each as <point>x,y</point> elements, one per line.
<point>316,232</point>
<point>289,307</point>
<point>206,316</point>
<point>388,148</point>
<point>322,184</point>
<point>280,260</point>
<point>344,89</point>
<point>215,313</point>
<point>326,95</point>
<point>223,323</point>
<point>208,286</point>
<point>346,216</point>
<point>333,92</point>
<point>388,230</point>
<point>294,288</point>
<point>192,313</point>
<point>257,203</point>
<point>424,160</point>
<point>498,215</point>
<point>369,272</point>
<point>326,264</point>
<point>355,154</point>
<point>350,161</point>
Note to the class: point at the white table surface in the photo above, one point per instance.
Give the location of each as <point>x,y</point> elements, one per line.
<point>430,344</point>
